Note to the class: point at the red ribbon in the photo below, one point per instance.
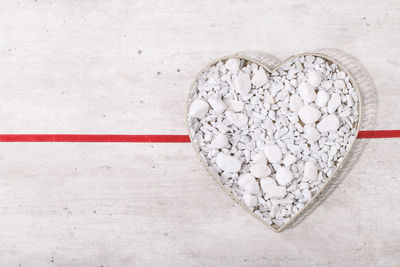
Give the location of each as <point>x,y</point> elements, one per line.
<point>161,138</point>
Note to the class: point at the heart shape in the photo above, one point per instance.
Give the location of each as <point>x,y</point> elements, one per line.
<point>274,139</point>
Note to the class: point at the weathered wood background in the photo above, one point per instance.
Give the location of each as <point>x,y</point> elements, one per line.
<point>124,67</point>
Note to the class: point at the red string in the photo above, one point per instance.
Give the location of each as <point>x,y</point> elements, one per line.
<point>379,134</point>
<point>143,138</point>
<point>94,138</point>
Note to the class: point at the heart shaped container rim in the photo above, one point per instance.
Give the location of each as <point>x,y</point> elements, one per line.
<point>334,173</point>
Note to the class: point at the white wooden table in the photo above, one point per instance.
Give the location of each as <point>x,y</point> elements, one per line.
<point>111,67</point>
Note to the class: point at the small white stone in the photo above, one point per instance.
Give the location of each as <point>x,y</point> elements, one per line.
<point>244,179</point>
<point>252,187</point>
<point>218,105</point>
<point>326,84</point>
<point>334,103</point>
<point>249,199</point>
<point>198,109</point>
<point>269,125</point>
<point>322,98</point>
<point>284,176</point>
<point>228,163</point>
<point>235,105</point>
<point>332,151</point>
<point>233,64</point>
<point>248,183</point>
<point>295,102</point>
<point>269,187</point>
<point>260,170</point>
<point>266,183</point>
<point>259,78</point>
<point>238,119</point>
<point>260,158</point>
<point>309,114</point>
<point>289,160</point>
<point>242,83</point>
<point>310,171</point>
<point>278,192</point>
<point>314,78</point>
<point>329,123</point>
<point>307,194</point>
<point>273,153</point>
<point>339,84</point>
<point>307,92</point>
<point>219,141</point>
<point>311,133</point>
<point>278,222</point>
<point>268,98</point>
<point>349,100</point>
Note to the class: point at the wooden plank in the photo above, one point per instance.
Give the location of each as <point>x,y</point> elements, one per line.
<point>92,67</point>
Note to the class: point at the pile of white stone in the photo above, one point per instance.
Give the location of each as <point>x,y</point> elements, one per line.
<point>273,139</point>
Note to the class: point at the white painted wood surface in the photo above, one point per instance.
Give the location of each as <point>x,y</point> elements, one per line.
<point>75,67</point>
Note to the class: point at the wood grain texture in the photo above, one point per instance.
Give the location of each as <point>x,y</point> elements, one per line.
<point>111,67</point>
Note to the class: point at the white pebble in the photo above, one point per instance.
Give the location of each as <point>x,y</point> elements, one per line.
<point>289,160</point>
<point>238,119</point>
<point>314,78</point>
<point>248,183</point>
<point>260,170</point>
<point>329,123</point>
<point>219,141</point>
<point>307,92</point>
<point>278,192</point>
<point>235,105</point>
<point>307,194</point>
<point>242,83</point>
<point>266,183</point>
<point>233,64</point>
<point>309,114</point>
<point>244,179</point>
<point>284,176</point>
<point>250,200</point>
<point>295,102</point>
<point>268,98</point>
<point>278,222</point>
<point>322,98</point>
<point>334,103</point>
<point>339,84</point>
<point>259,78</point>
<point>269,187</point>
<point>228,163</point>
<point>311,133</point>
<point>217,105</point>
<point>273,153</point>
<point>252,187</point>
<point>326,84</point>
<point>260,158</point>
<point>198,109</point>
<point>332,151</point>
<point>310,171</point>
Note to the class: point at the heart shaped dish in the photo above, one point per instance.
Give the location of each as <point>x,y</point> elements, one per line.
<point>274,139</point>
